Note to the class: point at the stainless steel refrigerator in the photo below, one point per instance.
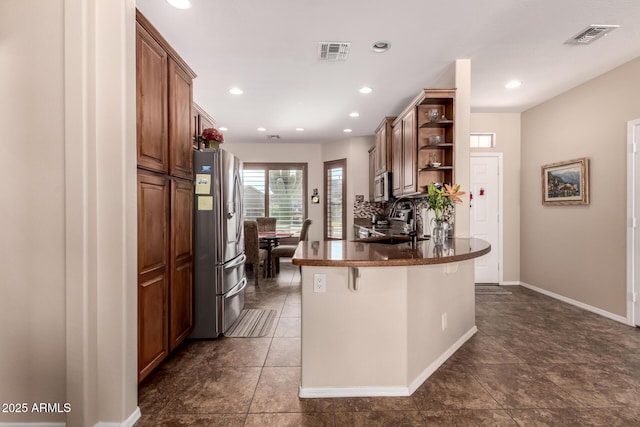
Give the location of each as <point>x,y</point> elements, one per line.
<point>218,242</point>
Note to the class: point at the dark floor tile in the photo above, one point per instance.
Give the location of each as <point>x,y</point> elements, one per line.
<point>277,391</point>
<point>236,352</point>
<point>157,389</point>
<point>284,352</point>
<point>521,386</point>
<point>609,417</point>
<point>379,419</point>
<point>449,388</point>
<point>192,420</point>
<point>468,418</point>
<point>374,404</point>
<point>484,349</point>
<point>312,419</point>
<point>216,390</point>
<point>594,385</point>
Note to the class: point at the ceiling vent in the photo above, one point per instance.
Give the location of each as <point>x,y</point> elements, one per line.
<point>591,34</point>
<point>333,51</point>
<point>273,136</point>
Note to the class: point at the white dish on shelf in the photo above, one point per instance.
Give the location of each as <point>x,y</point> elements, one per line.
<point>435,164</point>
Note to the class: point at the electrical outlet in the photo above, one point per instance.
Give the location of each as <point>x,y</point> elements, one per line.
<point>319,283</point>
<point>444,321</point>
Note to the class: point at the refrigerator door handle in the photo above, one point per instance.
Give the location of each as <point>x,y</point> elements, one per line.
<point>239,260</point>
<point>243,284</point>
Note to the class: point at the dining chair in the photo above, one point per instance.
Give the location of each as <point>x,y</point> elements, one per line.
<point>255,255</point>
<point>287,251</point>
<point>266,224</point>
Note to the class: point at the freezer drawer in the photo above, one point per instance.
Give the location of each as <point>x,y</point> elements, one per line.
<point>231,274</point>
<point>232,304</point>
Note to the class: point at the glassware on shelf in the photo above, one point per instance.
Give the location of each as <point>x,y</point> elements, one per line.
<point>433,114</point>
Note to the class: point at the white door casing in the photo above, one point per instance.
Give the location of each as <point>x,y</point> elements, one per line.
<point>633,238</point>
<point>486,213</point>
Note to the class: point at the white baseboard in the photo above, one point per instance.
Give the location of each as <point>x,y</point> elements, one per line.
<point>440,360</point>
<point>129,422</point>
<point>582,305</point>
<point>320,392</point>
<point>510,283</point>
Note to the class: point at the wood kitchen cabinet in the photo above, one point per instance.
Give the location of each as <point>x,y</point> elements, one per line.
<point>383,146</point>
<point>165,197</point>
<point>423,149</point>
<point>403,153</point>
<point>372,172</point>
<point>435,160</point>
<point>153,270</point>
<point>163,102</point>
<point>200,120</point>
<point>181,258</point>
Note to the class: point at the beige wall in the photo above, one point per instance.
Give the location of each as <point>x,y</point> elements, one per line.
<point>579,251</point>
<point>507,130</point>
<point>68,174</point>
<point>32,258</point>
<point>289,153</point>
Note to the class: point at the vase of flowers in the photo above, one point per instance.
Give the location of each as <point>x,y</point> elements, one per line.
<point>441,200</point>
<point>211,137</point>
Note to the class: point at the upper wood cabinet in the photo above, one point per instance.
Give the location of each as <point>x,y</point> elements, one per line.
<point>383,146</point>
<point>396,159</point>
<point>152,103</point>
<point>164,98</point>
<point>423,148</point>
<point>436,138</point>
<point>200,121</point>
<point>372,172</point>
<point>404,154</point>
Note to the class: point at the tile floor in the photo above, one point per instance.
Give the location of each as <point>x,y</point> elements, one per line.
<point>535,361</point>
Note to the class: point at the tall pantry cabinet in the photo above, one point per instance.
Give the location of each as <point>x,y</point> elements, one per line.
<point>165,197</point>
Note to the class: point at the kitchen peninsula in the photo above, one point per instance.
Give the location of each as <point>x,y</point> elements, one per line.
<point>377,318</point>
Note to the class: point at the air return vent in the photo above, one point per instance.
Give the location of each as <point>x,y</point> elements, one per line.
<point>591,34</point>
<point>273,136</point>
<point>333,51</point>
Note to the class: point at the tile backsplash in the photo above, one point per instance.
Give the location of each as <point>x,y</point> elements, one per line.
<point>364,209</point>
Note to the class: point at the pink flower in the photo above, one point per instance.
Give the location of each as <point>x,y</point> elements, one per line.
<point>212,134</point>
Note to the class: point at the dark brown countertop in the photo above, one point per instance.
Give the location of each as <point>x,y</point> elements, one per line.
<point>346,253</point>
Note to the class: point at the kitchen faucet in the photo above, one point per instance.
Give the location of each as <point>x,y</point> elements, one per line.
<point>412,229</point>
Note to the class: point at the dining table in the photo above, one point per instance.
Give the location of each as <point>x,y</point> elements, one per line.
<point>268,241</point>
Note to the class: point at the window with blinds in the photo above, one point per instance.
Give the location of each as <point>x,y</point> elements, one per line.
<point>276,190</point>
<point>335,209</point>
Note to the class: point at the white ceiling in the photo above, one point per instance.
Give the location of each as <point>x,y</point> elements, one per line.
<point>269,49</point>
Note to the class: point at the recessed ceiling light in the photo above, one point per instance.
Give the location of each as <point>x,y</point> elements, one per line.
<point>381,46</point>
<point>180,4</point>
<point>262,129</point>
<point>300,129</point>
<point>366,90</point>
<point>513,84</point>
<point>236,91</point>
<point>223,128</point>
<point>354,114</point>
<point>347,130</point>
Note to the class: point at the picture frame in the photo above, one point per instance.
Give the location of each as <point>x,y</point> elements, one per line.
<point>566,183</point>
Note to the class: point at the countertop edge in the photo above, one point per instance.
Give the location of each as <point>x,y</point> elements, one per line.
<point>396,262</point>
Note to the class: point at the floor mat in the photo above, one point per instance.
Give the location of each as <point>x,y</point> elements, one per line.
<point>252,323</point>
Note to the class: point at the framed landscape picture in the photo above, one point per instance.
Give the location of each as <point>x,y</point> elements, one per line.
<point>566,183</point>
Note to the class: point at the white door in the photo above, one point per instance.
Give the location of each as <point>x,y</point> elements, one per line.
<point>485,212</point>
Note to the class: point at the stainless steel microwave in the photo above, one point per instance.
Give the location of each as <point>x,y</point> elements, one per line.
<point>382,187</point>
